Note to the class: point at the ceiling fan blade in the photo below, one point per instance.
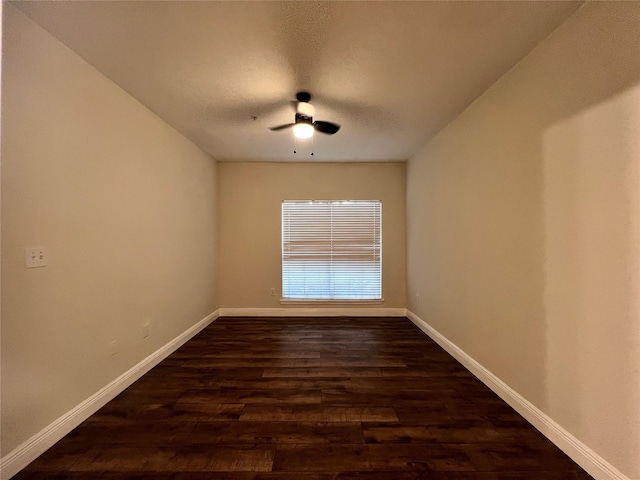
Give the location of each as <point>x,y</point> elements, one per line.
<point>281,127</point>
<point>326,127</point>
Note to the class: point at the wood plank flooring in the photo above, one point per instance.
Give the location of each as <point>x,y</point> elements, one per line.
<point>306,399</point>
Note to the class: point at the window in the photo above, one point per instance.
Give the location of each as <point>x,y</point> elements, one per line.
<point>332,250</point>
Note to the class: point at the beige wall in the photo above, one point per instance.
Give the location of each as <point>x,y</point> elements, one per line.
<point>126,208</point>
<point>250,197</point>
<point>523,222</point>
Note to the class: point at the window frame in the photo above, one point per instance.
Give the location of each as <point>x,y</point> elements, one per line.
<point>377,262</point>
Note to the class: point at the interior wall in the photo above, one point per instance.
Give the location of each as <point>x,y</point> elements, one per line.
<point>250,198</point>
<point>126,209</point>
<point>523,220</point>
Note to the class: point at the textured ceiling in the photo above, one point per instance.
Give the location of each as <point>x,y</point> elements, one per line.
<point>391,73</point>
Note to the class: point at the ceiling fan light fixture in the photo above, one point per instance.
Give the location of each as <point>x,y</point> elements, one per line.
<point>303,130</point>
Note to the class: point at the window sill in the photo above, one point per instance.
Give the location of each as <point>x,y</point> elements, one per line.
<point>310,301</point>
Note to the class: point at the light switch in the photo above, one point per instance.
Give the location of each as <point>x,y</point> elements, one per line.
<point>35,257</point>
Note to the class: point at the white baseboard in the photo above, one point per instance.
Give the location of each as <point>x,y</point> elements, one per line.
<point>314,312</point>
<point>35,446</point>
<point>584,456</point>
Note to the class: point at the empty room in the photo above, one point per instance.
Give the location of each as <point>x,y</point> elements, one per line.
<point>320,240</point>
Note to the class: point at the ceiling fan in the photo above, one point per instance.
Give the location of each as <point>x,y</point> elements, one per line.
<point>304,125</point>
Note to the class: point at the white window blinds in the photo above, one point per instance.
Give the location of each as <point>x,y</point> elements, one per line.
<point>332,250</point>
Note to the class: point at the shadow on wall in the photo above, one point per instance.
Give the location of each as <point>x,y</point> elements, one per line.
<point>592,275</point>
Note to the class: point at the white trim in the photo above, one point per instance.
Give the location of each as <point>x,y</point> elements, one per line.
<point>584,456</point>
<point>326,302</point>
<point>313,312</point>
<point>35,446</point>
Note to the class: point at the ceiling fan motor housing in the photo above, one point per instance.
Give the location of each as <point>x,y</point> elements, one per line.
<point>301,118</point>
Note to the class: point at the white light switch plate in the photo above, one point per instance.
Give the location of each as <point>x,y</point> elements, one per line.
<point>35,257</point>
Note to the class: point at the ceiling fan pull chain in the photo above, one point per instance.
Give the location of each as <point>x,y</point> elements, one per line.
<point>295,145</point>
<point>312,146</point>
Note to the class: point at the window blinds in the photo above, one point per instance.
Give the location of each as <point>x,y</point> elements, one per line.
<point>332,250</point>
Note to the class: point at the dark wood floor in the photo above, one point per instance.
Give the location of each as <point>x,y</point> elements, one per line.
<point>306,399</point>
